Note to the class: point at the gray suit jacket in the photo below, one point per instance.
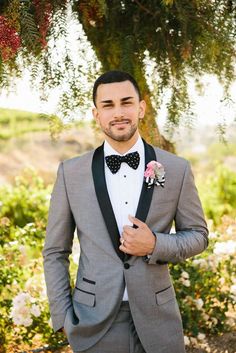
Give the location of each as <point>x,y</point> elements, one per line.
<point>80,200</point>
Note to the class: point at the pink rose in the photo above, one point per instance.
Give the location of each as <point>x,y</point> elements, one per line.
<point>152,169</point>
<point>155,174</point>
<point>149,172</point>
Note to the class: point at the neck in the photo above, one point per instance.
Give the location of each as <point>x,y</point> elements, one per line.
<point>123,146</point>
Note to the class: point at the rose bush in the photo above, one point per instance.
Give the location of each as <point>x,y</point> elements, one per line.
<point>205,285</point>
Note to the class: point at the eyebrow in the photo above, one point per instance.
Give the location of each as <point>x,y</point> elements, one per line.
<point>122,100</point>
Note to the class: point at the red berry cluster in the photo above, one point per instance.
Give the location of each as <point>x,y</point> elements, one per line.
<point>43,16</point>
<point>9,40</point>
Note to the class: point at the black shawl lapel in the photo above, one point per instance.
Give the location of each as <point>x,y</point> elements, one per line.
<point>104,200</point>
<point>146,193</point>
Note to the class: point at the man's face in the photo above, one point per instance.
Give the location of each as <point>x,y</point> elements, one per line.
<point>118,110</point>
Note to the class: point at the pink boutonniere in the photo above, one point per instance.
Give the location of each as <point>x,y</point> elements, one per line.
<point>155,174</point>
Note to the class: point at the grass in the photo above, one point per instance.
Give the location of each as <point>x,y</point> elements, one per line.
<point>14,123</point>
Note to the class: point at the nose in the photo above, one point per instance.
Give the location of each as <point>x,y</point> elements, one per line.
<point>118,112</point>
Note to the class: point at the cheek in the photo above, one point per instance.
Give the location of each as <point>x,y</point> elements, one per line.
<point>132,112</point>
<point>104,119</point>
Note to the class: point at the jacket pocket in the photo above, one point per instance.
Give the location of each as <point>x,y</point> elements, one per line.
<point>84,297</point>
<point>165,295</point>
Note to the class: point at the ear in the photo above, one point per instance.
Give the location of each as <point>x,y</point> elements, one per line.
<point>142,109</point>
<point>95,114</point>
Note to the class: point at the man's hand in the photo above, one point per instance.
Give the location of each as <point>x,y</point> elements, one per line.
<point>137,241</point>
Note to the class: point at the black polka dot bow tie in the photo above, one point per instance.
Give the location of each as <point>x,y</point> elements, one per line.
<point>114,161</point>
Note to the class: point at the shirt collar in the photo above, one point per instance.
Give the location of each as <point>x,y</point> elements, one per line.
<point>138,146</point>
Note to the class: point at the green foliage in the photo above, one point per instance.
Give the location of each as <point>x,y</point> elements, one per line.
<point>22,231</point>
<point>206,300</point>
<point>203,306</point>
<point>26,201</point>
<point>218,194</point>
<point>14,123</point>
<point>21,272</point>
<point>181,39</point>
<point>29,30</point>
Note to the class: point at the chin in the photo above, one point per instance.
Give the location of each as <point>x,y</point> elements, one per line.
<point>121,135</point>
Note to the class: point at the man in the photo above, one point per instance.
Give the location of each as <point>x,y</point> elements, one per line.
<point>123,300</point>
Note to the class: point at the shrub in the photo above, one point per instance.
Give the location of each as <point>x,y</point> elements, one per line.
<point>218,194</point>
<point>25,202</point>
<point>205,285</point>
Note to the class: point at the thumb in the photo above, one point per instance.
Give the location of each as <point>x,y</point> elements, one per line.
<point>136,222</point>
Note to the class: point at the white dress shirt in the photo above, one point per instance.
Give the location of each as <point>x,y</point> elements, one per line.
<point>124,187</point>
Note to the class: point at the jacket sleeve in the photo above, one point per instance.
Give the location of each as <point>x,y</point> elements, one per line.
<point>191,236</point>
<point>57,248</point>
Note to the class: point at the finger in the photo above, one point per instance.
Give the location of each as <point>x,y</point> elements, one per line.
<point>136,221</point>
<point>122,240</point>
<point>125,250</point>
<point>128,230</point>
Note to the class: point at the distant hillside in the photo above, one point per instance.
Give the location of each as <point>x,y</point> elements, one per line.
<point>204,147</point>
<point>25,142</point>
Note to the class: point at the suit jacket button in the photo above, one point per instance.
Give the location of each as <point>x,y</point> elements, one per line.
<point>126,265</point>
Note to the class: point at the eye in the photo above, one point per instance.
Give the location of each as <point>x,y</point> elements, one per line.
<point>107,105</point>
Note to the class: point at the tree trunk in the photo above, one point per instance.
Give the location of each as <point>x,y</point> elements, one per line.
<point>119,54</point>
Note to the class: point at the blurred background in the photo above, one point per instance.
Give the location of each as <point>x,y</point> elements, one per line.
<point>183,56</point>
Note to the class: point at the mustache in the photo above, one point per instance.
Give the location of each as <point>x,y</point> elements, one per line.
<point>113,122</point>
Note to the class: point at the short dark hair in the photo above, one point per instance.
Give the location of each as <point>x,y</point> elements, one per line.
<point>114,76</point>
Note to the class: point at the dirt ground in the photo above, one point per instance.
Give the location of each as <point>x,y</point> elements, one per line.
<point>225,343</point>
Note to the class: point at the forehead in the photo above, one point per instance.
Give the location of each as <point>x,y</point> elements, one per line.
<point>116,91</point>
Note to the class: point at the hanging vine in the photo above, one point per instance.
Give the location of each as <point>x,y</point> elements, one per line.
<point>181,39</point>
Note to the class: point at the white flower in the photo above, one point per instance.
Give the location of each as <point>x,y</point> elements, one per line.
<point>21,315</point>
<point>186,282</point>
<point>230,230</point>
<point>205,317</point>
<point>23,308</point>
<point>233,289</point>
<point>201,336</point>
<point>193,340</point>
<point>225,248</point>
<point>230,322</point>
<point>214,320</point>
<point>212,235</point>
<point>21,299</point>
<point>199,303</point>
<point>222,281</point>
<point>186,341</point>
<point>200,262</point>
<point>27,321</point>
<point>35,310</point>
<point>23,250</point>
<point>185,275</point>
<point>185,279</point>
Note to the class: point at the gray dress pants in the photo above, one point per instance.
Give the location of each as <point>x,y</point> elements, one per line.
<point>121,337</point>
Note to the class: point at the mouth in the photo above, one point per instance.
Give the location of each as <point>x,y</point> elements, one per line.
<point>120,123</point>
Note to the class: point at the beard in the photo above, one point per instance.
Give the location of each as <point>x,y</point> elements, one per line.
<point>125,136</point>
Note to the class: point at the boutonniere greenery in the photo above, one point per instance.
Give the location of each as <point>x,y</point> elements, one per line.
<point>154,174</point>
